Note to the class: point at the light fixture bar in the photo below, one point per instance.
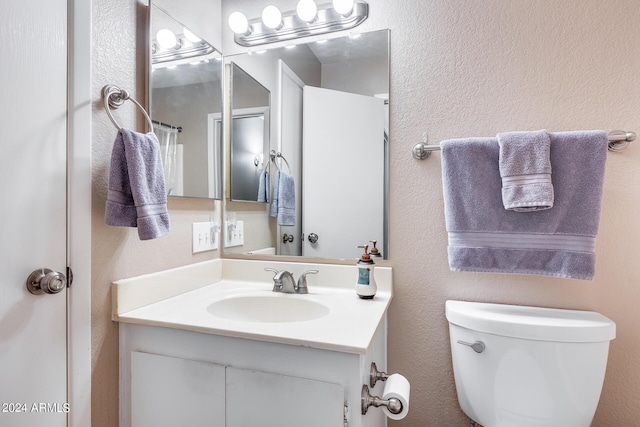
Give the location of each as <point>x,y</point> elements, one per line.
<point>327,20</point>
<point>186,50</point>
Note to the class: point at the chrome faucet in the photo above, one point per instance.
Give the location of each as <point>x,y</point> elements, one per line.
<point>284,282</point>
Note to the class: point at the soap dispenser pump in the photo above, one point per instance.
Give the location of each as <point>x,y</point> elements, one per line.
<point>366,287</point>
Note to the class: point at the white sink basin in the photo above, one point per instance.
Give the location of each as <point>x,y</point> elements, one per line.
<point>271,308</point>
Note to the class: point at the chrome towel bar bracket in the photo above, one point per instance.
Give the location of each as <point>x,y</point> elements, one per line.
<point>618,141</point>
<point>114,97</point>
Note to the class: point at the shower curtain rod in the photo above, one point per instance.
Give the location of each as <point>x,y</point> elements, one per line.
<point>179,128</point>
<point>618,141</point>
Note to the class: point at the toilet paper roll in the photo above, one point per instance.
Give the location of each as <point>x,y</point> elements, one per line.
<point>397,386</point>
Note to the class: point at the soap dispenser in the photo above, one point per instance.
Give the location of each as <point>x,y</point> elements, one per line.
<point>366,286</point>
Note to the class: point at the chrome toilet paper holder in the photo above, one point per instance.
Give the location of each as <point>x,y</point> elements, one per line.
<point>394,405</point>
<point>375,375</point>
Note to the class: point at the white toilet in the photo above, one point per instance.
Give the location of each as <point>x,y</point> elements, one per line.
<point>517,366</point>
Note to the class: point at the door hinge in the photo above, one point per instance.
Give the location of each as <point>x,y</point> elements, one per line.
<point>347,412</point>
<point>69,277</point>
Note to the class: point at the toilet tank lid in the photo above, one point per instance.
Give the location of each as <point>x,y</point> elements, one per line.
<point>534,323</point>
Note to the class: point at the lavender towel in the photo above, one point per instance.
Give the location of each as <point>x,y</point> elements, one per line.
<point>283,205</point>
<point>137,196</point>
<point>483,236</point>
<point>525,169</point>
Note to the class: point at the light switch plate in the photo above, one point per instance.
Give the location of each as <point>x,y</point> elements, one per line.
<point>205,237</point>
<point>235,235</point>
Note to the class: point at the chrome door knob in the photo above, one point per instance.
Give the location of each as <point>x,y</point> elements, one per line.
<point>47,281</point>
<point>313,237</point>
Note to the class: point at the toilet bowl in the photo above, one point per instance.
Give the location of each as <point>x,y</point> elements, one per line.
<point>517,366</point>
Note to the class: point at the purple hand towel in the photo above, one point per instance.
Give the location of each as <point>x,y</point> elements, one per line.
<point>560,242</point>
<point>137,196</point>
<point>525,168</point>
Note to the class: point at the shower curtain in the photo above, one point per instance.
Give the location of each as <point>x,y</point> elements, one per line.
<point>168,138</point>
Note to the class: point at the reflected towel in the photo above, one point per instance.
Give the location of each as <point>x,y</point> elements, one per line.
<point>263,187</point>
<point>560,242</point>
<point>525,168</point>
<point>283,205</point>
<point>137,196</point>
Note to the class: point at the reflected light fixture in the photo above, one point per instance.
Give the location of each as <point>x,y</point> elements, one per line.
<point>190,36</point>
<point>308,19</point>
<point>169,46</point>
<point>166,39</point>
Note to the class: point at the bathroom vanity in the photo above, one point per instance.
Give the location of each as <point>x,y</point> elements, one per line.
<point>212,344</point>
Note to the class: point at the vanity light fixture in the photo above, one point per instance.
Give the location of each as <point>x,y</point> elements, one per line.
<point>308,19</point>
<point>239,23</point>
<point>307,10</point>
<point>272,18</point>
<point>343,7</point>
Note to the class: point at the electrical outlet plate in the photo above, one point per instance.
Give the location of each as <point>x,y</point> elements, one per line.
<point>235,234</point>
<point>205,237</point>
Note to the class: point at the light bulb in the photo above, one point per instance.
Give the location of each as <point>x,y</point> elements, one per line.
<point>307,10</point>
<point>271,17</point>
<point>190,36</point>
<point>166,38</point>
<point>238,23</point>
<point>343,7</point>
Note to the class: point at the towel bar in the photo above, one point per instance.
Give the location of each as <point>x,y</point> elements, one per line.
<point>114,97</point>
<point>618,141</point>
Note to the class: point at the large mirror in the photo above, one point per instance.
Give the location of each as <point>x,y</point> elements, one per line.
<point>326,168</point>
<point>249,136</point>
<point>185,91</point>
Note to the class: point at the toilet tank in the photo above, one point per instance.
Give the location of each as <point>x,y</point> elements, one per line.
<point>536,367</point>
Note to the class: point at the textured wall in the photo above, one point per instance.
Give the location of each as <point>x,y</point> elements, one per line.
<point>458,68</point>
<point>119,28</point>
<point>467,68</point>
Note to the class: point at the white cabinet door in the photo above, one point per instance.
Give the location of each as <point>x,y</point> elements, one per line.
<point>33,118</point>
<point>343,176</point>
<point>170,392</point>
<point>271,400</point>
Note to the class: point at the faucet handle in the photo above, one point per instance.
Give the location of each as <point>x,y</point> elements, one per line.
<point>302,282</point>
<point>271,269</point>
<point>276,287</point>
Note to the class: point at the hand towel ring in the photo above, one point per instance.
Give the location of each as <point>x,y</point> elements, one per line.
<point>273,154</point>
<point>114,97</point>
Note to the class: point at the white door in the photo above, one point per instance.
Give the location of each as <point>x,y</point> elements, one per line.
<point>343,173</point>
<point>291,147</point>
<point>33,119</point>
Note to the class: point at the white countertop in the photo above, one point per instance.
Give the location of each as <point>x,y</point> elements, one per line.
<point>165,299</point>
